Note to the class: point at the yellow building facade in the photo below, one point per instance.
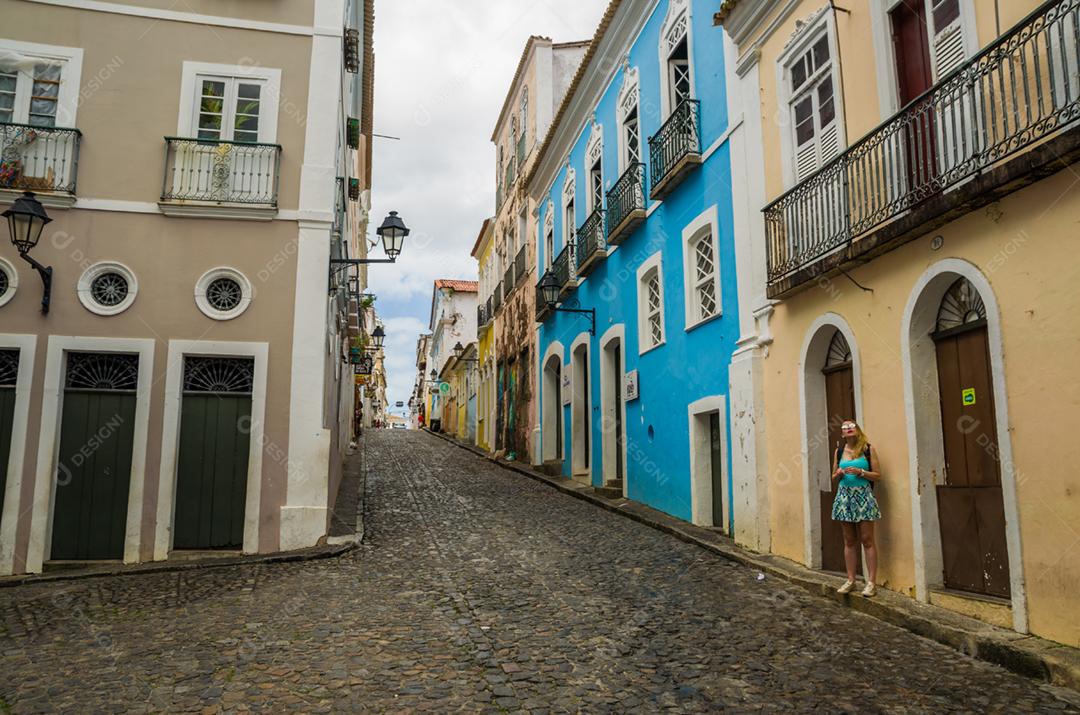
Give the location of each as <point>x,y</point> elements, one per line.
<point>483,250</point>
<point>909,211</point>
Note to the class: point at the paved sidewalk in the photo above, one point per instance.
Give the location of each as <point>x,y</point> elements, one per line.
<point>1026,655</point>
<point>477,590</point>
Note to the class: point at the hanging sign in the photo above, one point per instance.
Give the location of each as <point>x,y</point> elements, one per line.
<point>968,396</point>
<point>631,383</point>
<point>355,355</point>
<point>444,388</point>
<point>364,365</point>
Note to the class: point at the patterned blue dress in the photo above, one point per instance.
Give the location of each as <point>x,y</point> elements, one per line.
<point>855,500</point>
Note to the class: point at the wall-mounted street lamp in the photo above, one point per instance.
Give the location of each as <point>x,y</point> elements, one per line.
<point>549,291</point>
<point>26,218</point>
<point>459,350</point>
<point>393,232</point>
<point>378,335</point>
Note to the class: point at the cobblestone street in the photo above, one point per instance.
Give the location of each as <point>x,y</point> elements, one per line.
<point>476,589</point>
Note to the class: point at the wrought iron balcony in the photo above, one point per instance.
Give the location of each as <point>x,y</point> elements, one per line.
<point>482,315</point>
<point>542,309</point>
<point>676,148</point>
<point>943,150</point>
<point>220,172</point>
<point>626,204</point>
<point>508,280</point>
<point>39,159</point>
<point>591,243</point>
<point>496,299</point>
<point>519,265</point>
<point>564,267</point>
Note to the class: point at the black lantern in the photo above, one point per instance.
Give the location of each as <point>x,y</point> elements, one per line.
<point>26,218</point>
<point>377,336</point>
<point>393,233</point>
<point>549,289</point>
<point>458,350</point>
<point>434,375</point>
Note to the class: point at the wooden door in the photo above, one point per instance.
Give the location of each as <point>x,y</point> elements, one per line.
<point>212,461</point>
<point>915,75</point>
<point>839,406</point>
<point>9,372</point>
<point>971,508</point>
<point>716,464</point>
<point>94,469</point>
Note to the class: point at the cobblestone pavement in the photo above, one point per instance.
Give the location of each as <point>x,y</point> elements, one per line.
<point>477,590</point>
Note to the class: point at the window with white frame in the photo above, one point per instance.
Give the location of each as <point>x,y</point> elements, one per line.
<point>570,229</point>
<point>629,123</point>
<point>650,298</point>
<point>229,108</point>
<point>39,84</point>
<point>703,255</point>
<point>549,235</point>
<point>675,56</point>
<point>814,122</point>
<point>701,268</point>
<point>525,112</point>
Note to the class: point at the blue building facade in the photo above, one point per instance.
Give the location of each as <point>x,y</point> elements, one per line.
<point>634,221</point>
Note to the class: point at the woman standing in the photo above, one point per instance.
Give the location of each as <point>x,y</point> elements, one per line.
<point>855,506</point>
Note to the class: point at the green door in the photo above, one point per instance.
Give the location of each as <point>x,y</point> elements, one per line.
<point>212,466</point>
<point>9,372</point>
<point>94,468</point>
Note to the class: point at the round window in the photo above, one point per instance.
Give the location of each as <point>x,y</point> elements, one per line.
<point>223,293</point>
<point>109,289</point>
<point>9,281</point>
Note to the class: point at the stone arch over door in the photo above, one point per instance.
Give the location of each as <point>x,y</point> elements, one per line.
<point>830,332</point>
<point>551,404</point>
<point>920,334</point>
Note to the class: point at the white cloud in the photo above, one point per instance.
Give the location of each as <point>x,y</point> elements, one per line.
<point>442,70</point>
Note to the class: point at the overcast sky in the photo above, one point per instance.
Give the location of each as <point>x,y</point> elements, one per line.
<point>442,70</point>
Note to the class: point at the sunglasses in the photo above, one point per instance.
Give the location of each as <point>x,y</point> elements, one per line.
<point>847,427</point>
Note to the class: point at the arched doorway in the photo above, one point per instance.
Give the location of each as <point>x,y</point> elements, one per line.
<point>839,374</point>
<point>613,408</point>
<point>829,387</point>
<point>580,428</point>
<point>552,435</point>
<point>971,510</point>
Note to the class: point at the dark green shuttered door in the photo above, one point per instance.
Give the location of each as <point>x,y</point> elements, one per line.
<point>94,469</point>
<point>212,469</point>
<point>9,373</point>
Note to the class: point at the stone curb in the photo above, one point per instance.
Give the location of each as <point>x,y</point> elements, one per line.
<point>1025,655</point>
<point>310,554</point>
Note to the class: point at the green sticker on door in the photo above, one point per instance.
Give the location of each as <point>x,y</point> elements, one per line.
<point>968,396</point>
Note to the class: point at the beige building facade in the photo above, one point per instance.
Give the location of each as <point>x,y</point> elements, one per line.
<point>200,171</point>
<point>908,216</point>
<point>509,272</point>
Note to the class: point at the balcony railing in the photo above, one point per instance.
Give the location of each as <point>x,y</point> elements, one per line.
<point>564,267</point>
<point>626,204</point>
<point>40,159</point>
<point>339,206</point>
<point>591,243</point>
<point>519,265</point>
<point>1019,90</point>
<point>542,310</point>
<point>508,280</point>
<point>676,148</point>
<point>221,171</point>
<point>482,315</point>
<point>496,299</point>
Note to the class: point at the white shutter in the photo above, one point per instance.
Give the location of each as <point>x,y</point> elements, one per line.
<point>949,50</point>
<point>806,160</point>
<point>830,142</point>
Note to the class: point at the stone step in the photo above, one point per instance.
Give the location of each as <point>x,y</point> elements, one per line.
<point>612,489</point>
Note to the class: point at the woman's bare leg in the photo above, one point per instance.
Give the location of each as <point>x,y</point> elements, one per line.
<point>851,548</point>
<point>866,536</point>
